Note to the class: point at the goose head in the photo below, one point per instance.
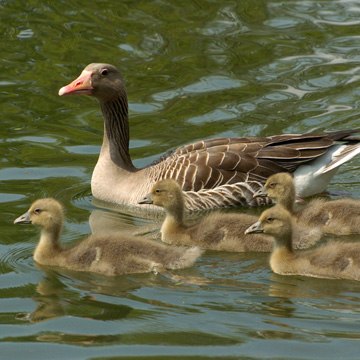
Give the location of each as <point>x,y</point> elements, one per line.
<point>166,193</point>
<point>276,221</point>
<point>46,213</point>
<point>103,81</point>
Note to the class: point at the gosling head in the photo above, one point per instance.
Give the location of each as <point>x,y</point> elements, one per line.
<point>275,221</point>
<point>46,213</point>
<point>166,193</point>
<point>279,185</point>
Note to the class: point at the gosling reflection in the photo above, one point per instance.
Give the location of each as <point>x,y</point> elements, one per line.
<point>49,304</point>
<point>55,300</point>
<point>299,287</point>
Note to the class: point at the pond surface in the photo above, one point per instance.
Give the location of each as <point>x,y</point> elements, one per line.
<point>193,70</point>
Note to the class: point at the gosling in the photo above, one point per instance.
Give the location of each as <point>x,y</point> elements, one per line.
<point>108,255</point>
<point>217,231</point>
<point>338,217</point>
<point>336,260</point>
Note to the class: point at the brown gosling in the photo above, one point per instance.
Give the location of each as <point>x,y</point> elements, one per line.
<point>216,231</point>
<point>338,217</point>
<point>335,260</point>
<point>108,255</point>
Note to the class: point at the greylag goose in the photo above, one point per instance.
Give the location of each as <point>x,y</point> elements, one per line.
<point>338,217</point>
<point>107,255</point>
<point>219,172</point>
<point>216,231</point>
<point>335,260</point>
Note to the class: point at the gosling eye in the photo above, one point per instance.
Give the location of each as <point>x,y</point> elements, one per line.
<point>272,184</point>
<point>37,211</point>
<point>269,220</point>
<point>157,191</point>
<point>104,72</point>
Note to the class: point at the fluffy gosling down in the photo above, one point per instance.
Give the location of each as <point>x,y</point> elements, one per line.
<point>336,260</point>
<point>339,217</point>
<point>217,231</point>
<point>108,255</point>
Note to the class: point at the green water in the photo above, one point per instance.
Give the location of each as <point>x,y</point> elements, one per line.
<point>193,70</point>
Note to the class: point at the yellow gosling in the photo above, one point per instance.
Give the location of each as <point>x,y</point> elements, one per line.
<point>108,255</point>
<point>336,260</point>
<point>216,231</point>
<point>339,217</point>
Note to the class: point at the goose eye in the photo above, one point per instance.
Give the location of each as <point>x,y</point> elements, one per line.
<point>37,211</point>
<point>157,191</point>
<point>270,220</point>
<point>104,72</point>
<point>272,184</point>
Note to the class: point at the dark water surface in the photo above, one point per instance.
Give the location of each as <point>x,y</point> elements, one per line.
<point>193,69</point>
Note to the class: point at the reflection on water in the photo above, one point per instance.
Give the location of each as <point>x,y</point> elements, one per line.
<point>51,303</point>
<point>108,222</point>
<point>193,70</point>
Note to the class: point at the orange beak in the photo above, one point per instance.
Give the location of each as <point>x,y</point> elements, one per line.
<point>80,86</point>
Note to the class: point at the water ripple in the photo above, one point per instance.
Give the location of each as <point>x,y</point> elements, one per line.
<point>193,70</point>
<point>16,258</point>
<point>25,34</point>
<point>32,173</point>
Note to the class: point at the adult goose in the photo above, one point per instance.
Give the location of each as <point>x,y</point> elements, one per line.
<point>219,172</point>
<point>216,231</point>
<point>335,260</point>
<point>339,217</point>
<point>108,255</point>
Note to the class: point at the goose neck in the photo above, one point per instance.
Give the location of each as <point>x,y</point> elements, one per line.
<point>284,242</point>
<point>49,244</point>
<point>288,201</point>
<point>175,214</point>
<point>115,114</point>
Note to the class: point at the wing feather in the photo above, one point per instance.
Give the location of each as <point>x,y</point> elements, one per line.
<point>213,163</point>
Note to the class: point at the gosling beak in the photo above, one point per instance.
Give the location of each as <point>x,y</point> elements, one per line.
<point>260,193</point>
<point>23,219</point>
<point>146,200</point>
<point>254,228</point>
<point>80,86</point>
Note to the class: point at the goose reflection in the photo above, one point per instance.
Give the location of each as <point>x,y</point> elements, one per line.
<point>108,222</point>
<point>110,217</point>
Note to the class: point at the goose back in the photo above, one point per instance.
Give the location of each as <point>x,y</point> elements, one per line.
<point>339,217</point>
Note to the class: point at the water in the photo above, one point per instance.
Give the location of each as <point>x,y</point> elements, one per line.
<point>193,70</point>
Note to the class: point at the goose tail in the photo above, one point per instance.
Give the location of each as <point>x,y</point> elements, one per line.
<point>313,178</point>
<point>342,155</point>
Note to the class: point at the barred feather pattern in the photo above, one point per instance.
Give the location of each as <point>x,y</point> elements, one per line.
<point>208,164</point>
<point>225,172</point>
<point>239,194</point>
